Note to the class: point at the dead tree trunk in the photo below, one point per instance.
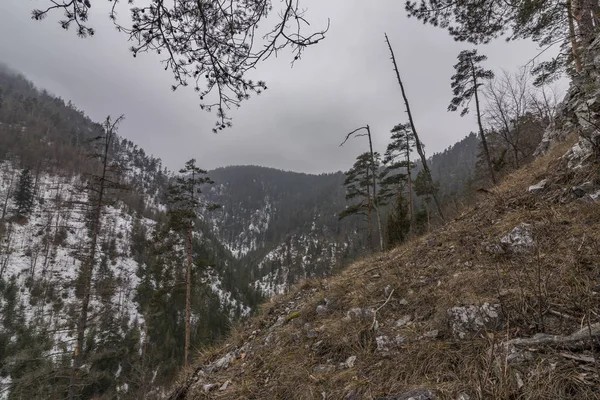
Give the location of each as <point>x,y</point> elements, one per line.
<point>369,214</point>
<point>408,172</point>
<point>418,143</point>
<point>486,150</point>
<point>375,202</point>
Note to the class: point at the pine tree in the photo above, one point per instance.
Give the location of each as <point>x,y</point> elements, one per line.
<point>98,188</point>
<point>24,194</point>
<point>185,201</point>
<point>398,223</point>
<point>574,23</point>
<point>465,86</point>
<point>420,147</point>
<point>359,183</point>
<point>424,187</point>
<point>374,158</point>
<point>397,163</point>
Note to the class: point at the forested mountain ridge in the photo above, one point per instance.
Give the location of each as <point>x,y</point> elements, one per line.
<point>274,228</point>
<point>282,226</point>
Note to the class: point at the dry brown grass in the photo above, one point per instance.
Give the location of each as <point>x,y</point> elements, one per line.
<point>551,290</point>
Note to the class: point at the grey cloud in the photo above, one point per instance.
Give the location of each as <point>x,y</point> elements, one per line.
<point>345,82</point>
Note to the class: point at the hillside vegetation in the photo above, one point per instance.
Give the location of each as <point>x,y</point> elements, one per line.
<point>500,303</point>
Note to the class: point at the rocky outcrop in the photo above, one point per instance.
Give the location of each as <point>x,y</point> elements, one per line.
<point>579,112</point>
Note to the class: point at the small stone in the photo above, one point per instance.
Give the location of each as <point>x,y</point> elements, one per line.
<point>431,334</point>
<point>578,191</point>
<point>520,382</point>
<point>466,321</point>
<point>399,340</point>
<point>208,387</point>
<point>388,290</point>
<point>403,321</point>
<point>323,369</point>
<point>541,185</point>
<point>350,361</point>
<point>520,239</point>
<point>463,396</point>
<point>311,334</point>
<point>351,396</point>
<point>416,394</point>
<point>322,310</point>
<point>225,385</point>
<point>383,343</point>
<point>403,302</point>
<point>278,323</point>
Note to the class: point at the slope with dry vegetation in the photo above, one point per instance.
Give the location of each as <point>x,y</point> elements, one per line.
<point>500,303</point>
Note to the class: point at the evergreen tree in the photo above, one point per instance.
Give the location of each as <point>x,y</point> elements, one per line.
<point>375,168</point>
<point>398,166</point>
<point>98,188</point>
<point>424,187</point>
<point>465,86</point>
<point>185,201</point>
<point>420,147</point>
<point>359,184</point>
<point>24,194</point>
<point>574,23</point>
<point>398,223</point>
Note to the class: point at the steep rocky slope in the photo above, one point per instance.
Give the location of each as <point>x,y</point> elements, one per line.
<point>500,303</point>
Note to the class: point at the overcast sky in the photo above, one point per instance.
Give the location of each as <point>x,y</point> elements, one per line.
<point>345,82</point>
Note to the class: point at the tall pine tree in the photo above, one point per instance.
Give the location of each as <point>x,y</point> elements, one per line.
<point>465,86</point>
<point>185,201</point>
<point>359,183</point>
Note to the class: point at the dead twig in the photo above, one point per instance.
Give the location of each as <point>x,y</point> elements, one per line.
<point>379,308</point>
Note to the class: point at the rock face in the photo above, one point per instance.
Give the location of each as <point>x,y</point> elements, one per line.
<point>579,112</point>
<point>467,321</point>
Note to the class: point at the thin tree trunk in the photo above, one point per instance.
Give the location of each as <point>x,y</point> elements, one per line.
<point>188,295</point>
<point>414,130</point>
<point>408,172</point>
<point>428,202</point>
<point>369,218</point>
<point>486,150</point>
<point>88,270</point>
<point>8,194</point>
<point>574,43</point>
<point>375,190</point>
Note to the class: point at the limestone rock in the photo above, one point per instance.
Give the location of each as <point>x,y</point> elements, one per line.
<point>466,321</point>
<point>520,239</point>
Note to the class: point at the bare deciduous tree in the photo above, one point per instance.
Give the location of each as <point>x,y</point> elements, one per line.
<point>517,112</point>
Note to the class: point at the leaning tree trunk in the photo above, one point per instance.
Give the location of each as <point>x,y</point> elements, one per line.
<point>414,130</point>
<point>375,202</point>
<point>486,150</point>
